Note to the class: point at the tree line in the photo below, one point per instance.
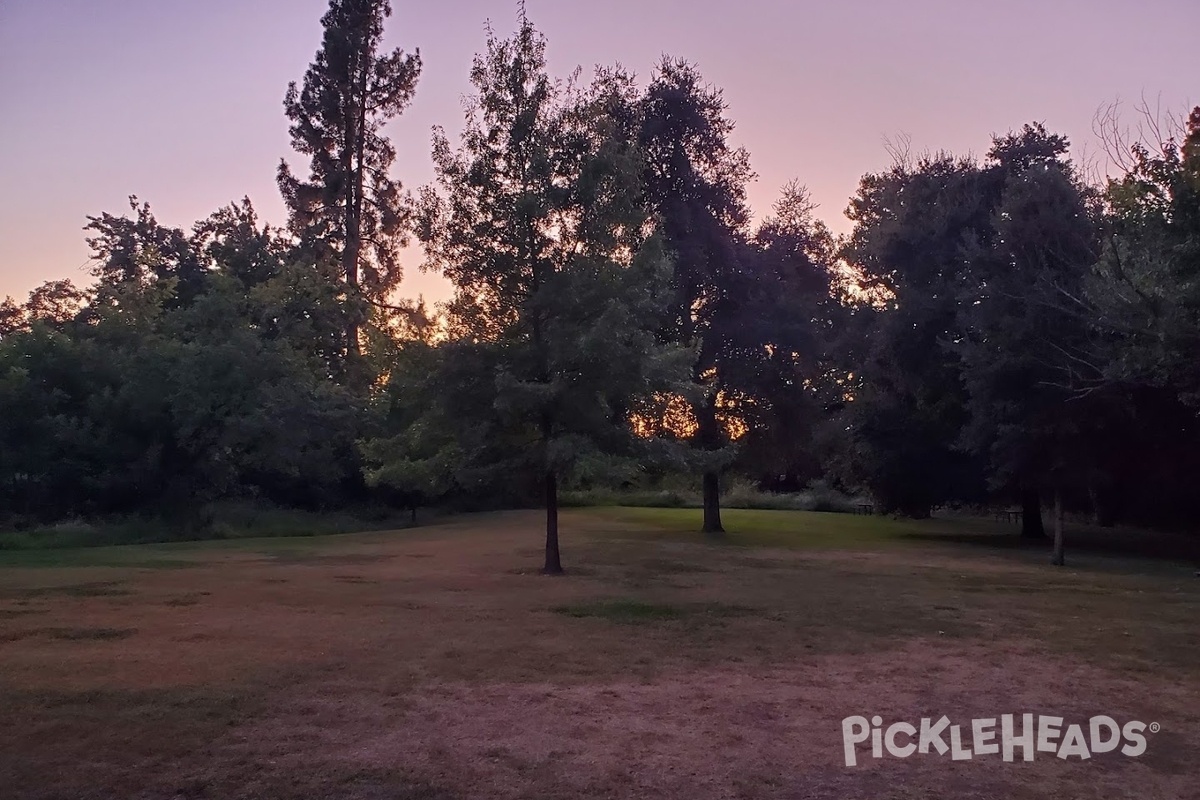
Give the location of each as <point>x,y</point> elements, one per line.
<point>993,330</point>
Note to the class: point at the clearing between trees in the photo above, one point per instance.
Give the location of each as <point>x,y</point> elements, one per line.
<point>439,663</point>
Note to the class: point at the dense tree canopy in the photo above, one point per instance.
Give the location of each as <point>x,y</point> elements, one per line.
<point>992,331</point>
<point>538,225</point>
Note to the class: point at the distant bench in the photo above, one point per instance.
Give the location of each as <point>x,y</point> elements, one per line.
<point>865,509</point>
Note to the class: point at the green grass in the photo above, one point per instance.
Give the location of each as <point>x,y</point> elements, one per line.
<point>745,528</point>
<point>226,521</point>
<point>626,611</point>
<point>299,548</point>
<point>738,494</point>
<point>1107,549</point>
<point>71,634</point>
<point>116,556</point>
<point>637,611</point>
<point>86,634</point>
<point>766,528</point>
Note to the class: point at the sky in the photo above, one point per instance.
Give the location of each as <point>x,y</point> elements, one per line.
<point>180,101</point>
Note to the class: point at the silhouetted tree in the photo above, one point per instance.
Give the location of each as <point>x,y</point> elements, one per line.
<point>540,228</point>
<point>1146,294</point>
<point>137,249</point>
<point>777,347</point>
<point>1032,408</point>
<point>909,405</point>
<point>349,208</point>
<point>695,184</point>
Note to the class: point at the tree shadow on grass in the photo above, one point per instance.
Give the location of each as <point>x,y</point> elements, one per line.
<point>1126,545</point>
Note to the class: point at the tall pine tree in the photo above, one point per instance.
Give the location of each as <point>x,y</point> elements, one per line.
<point>349,210</point>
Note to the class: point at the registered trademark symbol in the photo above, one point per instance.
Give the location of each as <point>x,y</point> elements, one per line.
<point>1155,727</point>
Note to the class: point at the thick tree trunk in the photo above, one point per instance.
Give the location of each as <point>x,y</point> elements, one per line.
<point>553,561</point>
<point>1031,515</point>
<point>1060,557</point>
<point>712,504</point>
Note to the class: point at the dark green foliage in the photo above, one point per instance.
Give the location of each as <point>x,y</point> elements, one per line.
<point>1024,330</point>
<point>537,221</point>
<point>695,187</point>
<point>634,612</point>
<point>908,402</point>
<point>779,366</point>
<point>140,401</point>
<point>1031,407</point>
<point>993,331</point>
<point>1146,293</point>
<point>626,611</point>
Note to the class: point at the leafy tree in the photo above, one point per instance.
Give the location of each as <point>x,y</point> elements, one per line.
<point>350,209</point>
<point>127,398</point>
<point>12,317</point>
<point>430,395</point>
<point>778,342</point>
<point>695,185</point>
<point>137,249</point>
<point>911,226</point>
<point>1031,408</point>
<point>538,225</point>
<point>291,298</point>
<point>1146,295</point>
<point>55,304</point>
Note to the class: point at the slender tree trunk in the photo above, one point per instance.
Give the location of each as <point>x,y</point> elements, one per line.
<point>358,183</point>
<point>1101,510</point>
<point>553,561</point>
<point>1060,556</point>
<point>353,151</point>
<point>350,268</point>
<point>1031,515</point>
<point>712,504</point>
<point>709,431</point>
<point>350,231</point>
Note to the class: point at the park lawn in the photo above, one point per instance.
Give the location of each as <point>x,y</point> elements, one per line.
<point>437,663</point>
<point>792,529</point>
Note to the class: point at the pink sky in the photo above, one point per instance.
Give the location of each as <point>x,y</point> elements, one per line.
<point>180,102</point>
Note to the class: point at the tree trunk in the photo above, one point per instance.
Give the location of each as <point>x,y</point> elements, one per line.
<point>1101,510</point>
<point>1060,556</point>
<point>351,235</point>
<point>350,268</point>
<point>1031,515</point>
<point>712,504</point>
<point>553,561</point>
<point>356,143</point>
<point>709,439</point>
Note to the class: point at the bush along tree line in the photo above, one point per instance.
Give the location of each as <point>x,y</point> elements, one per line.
<point>997,330</point>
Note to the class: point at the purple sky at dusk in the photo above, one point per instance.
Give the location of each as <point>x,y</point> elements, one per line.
<point>180,102</point>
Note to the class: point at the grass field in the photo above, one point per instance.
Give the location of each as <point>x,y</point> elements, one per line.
<point>437,663</point>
